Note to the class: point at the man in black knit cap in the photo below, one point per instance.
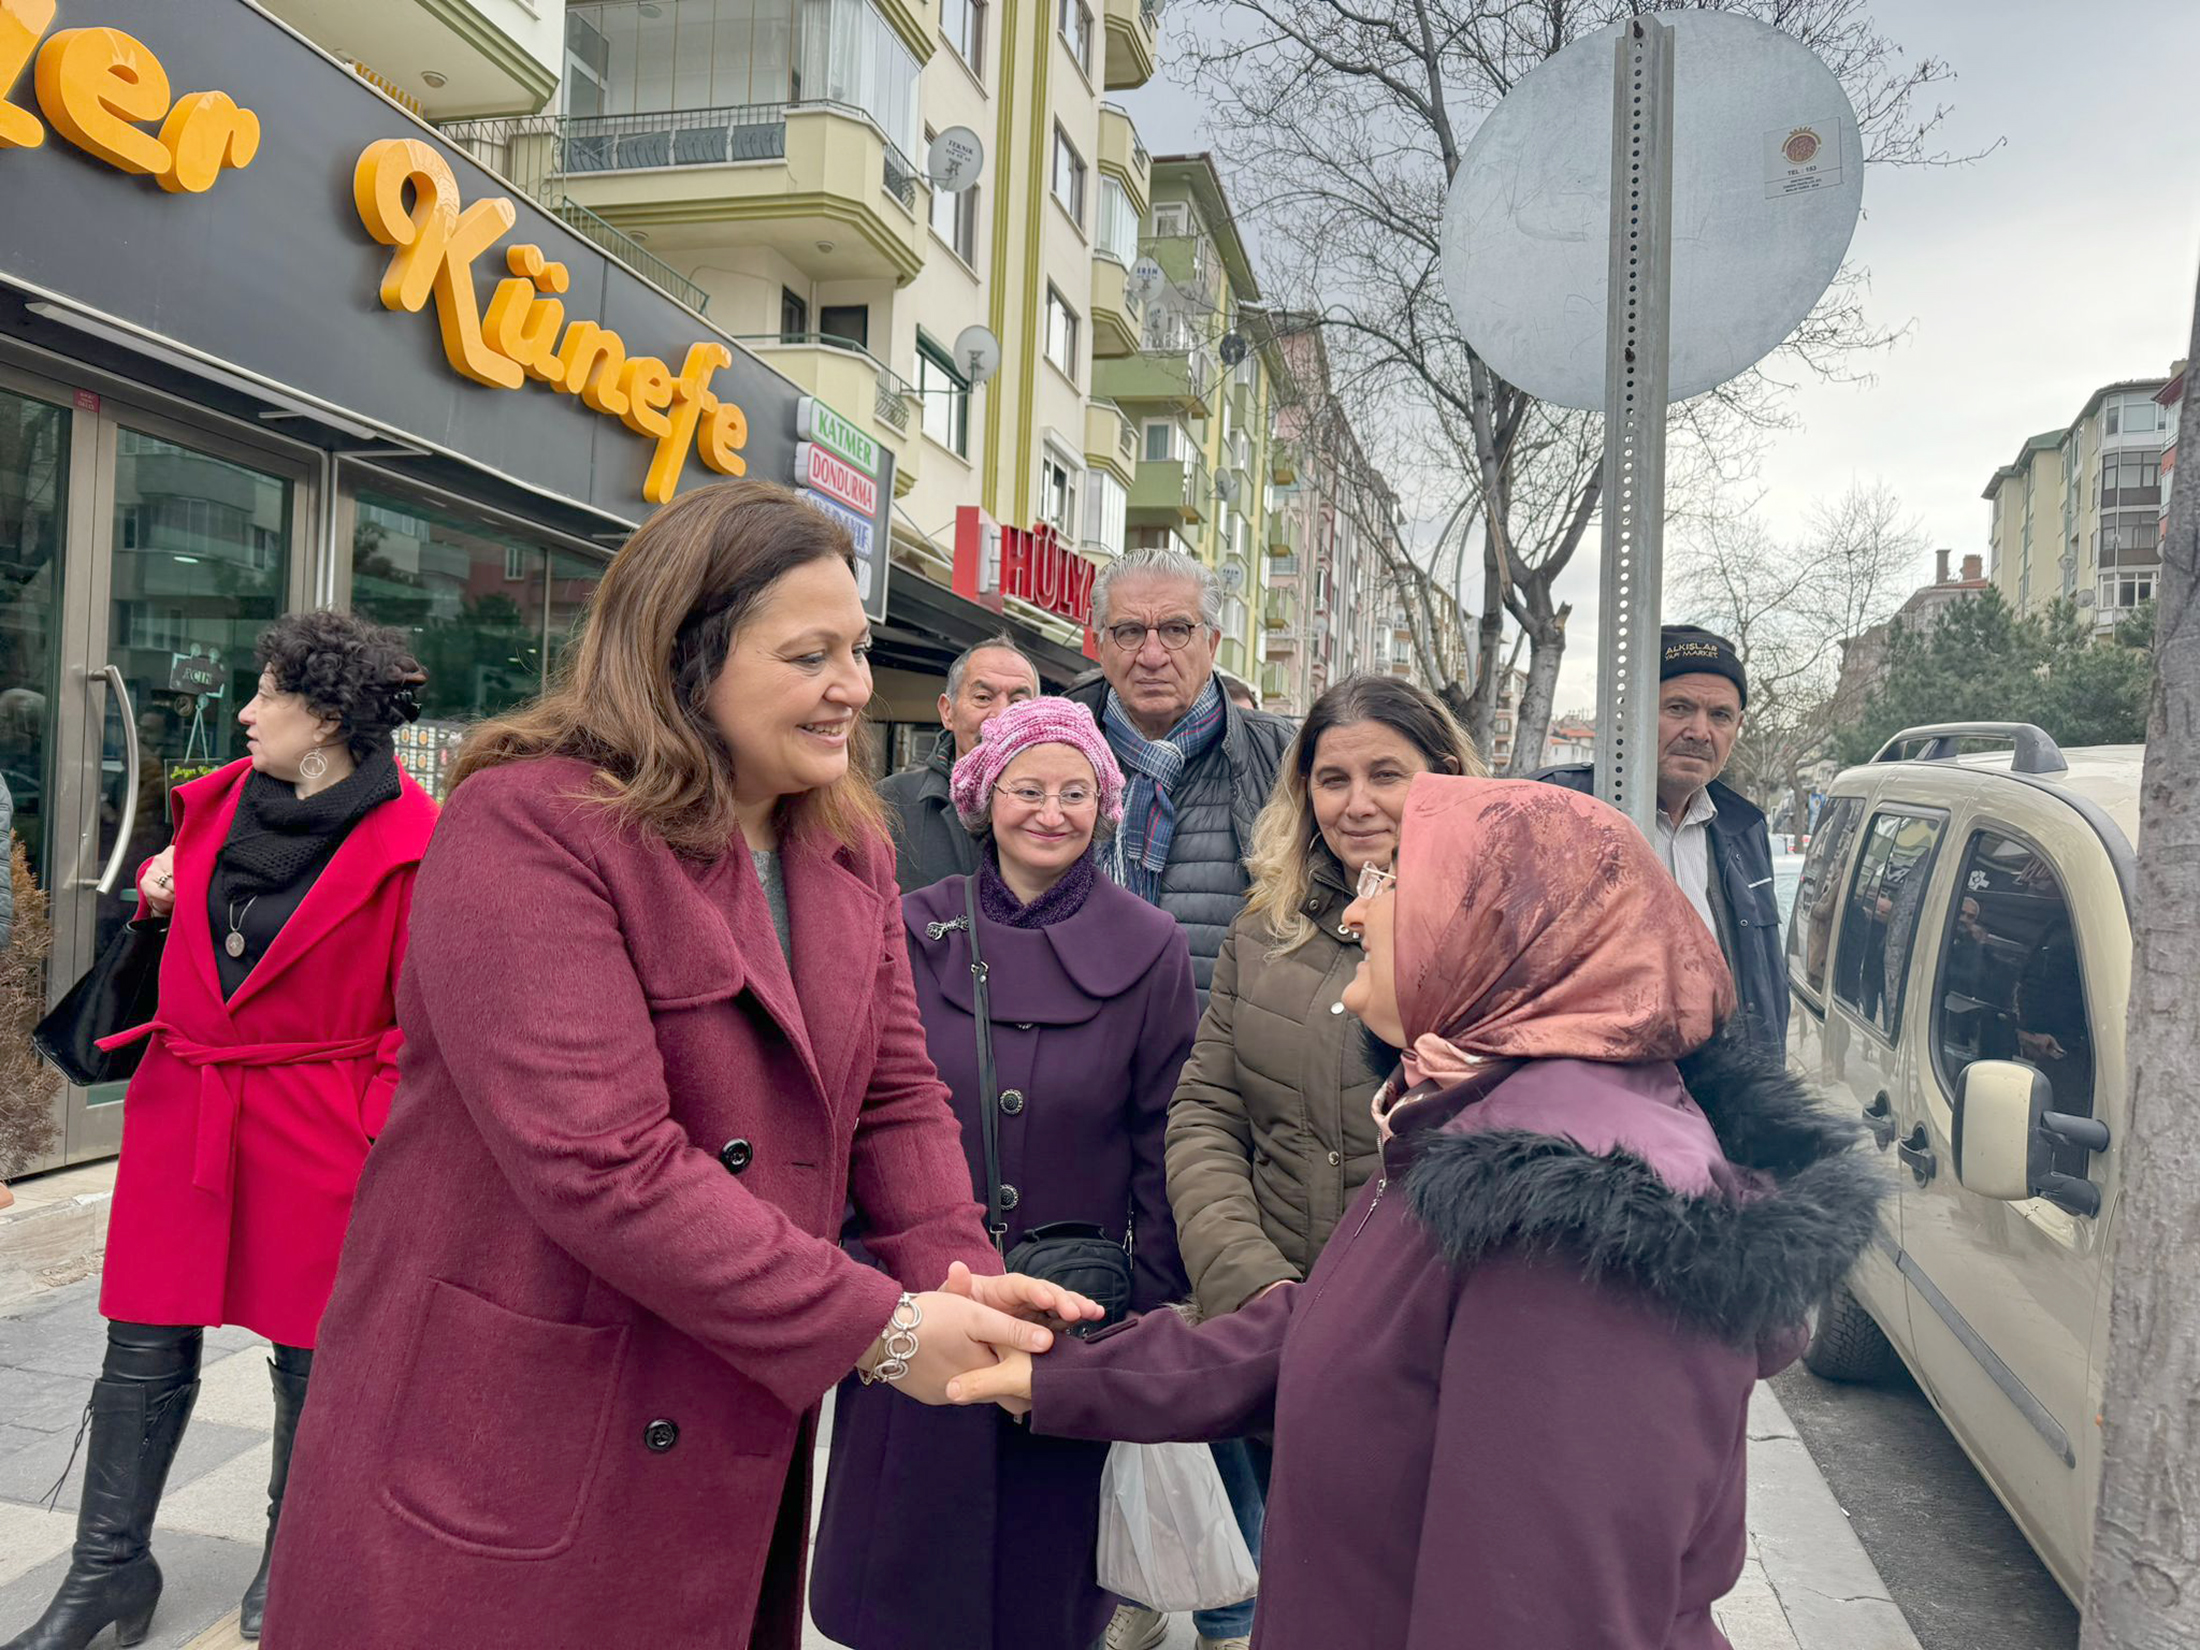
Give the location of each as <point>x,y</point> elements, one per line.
<point>1711,837</point>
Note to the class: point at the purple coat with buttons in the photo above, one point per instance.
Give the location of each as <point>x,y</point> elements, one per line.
<point>947,1529</point>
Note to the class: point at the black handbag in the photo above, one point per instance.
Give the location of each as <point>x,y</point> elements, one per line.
<point>1072,1253</point>
<point>119,991</point>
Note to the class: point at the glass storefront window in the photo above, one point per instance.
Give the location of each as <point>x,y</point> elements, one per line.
<point>34,463</point>
<point>573,581</point>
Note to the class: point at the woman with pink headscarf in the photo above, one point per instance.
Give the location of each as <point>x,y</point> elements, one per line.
<point>955,1529</point>
<point>1510,1399</point>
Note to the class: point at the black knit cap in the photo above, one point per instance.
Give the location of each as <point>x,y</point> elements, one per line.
<point>1689,650</point>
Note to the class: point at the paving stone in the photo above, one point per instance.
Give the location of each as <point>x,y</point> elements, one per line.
<point>234,1390</point>
<point>205,1578</point>
<point>28,1475</point>
<point>230,1501</point>
<point>28,1537</point>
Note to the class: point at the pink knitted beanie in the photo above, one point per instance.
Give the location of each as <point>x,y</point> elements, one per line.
<point>1044,721</point>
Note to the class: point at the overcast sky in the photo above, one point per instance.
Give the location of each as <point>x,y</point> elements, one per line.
<point>2062,261</point>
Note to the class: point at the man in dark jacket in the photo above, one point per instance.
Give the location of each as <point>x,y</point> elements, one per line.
<point>1200,767</point>
<point>929,841</point>
<point>1711,838</point>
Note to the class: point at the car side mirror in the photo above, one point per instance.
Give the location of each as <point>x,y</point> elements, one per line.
<point>2005,1133</point>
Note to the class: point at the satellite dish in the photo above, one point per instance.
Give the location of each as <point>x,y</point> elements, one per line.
<point>1768,177</point>
<point>1226,486</point>
<point>1232,348</point>
<point>1146,278</point>
<point>955,159</point>
<point>977,353</point>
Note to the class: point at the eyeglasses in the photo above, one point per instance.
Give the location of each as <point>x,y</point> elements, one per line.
<point>1075,799</point>
<point>1176,635</point>
<point>1374,880</point>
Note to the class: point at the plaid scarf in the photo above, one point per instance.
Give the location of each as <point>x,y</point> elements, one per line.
<point>1153,766</point>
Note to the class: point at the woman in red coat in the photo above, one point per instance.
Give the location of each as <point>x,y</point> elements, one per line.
<point>659,1028</point>
<point>267,1071</point>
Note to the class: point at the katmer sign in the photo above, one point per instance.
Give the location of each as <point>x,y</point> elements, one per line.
<point>993,562</point>
<point>268,225</point>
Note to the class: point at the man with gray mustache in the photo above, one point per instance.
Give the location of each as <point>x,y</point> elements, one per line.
<point>1711,837</point>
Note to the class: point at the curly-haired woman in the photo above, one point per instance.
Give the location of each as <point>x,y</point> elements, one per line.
<point>267,1071</point>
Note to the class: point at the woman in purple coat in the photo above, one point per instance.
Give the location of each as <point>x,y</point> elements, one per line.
<point>1510,1399</point>
<point>958,1529</point>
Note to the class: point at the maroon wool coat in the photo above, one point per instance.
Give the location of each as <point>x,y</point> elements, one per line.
<point>1510,1399</point>
<point>1092,1019</point>
<point>247,1122</point>
<point>566,1390</point>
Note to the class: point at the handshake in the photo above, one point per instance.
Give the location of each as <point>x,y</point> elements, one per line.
<point>975,1337</point>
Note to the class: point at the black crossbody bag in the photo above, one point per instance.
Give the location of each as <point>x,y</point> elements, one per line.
<point>1072,1253</point>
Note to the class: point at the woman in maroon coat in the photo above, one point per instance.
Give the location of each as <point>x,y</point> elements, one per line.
<point>1092,1012</point>
<point>267,1070</point>
<point>1510,1399</point>
<point>659,1028</point>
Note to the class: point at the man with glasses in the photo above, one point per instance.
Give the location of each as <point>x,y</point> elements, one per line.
<point>929,841</point>
<point>1200,769</point>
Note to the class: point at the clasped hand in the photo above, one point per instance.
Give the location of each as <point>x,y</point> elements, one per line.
<point>974,1326</point>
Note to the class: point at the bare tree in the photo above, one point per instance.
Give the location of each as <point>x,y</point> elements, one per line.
<point>2144,1593</point>
<point>1344,122</point>
<point>1791,610</point>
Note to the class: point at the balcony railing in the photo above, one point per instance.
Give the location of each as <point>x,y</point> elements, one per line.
<point>894,391</point>
<point>529,149</point>
<point>628,251</point>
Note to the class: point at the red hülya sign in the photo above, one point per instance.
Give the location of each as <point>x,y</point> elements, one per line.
<point>993,562</point>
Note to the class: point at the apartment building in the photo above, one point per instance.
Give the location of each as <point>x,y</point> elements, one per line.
<point>1198,395</point>
<point>2076,515</point>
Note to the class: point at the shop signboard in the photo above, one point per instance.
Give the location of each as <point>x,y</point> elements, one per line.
<point>827,473</point>
<point>870,565</point>
<point>815,421</point>
<point>993,562</point>
<point>282,226</point>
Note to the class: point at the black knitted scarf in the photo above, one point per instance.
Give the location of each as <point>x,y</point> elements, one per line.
<point>278,835</point>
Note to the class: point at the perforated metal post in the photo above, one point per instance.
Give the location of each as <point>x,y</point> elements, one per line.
<point>1634,419</point>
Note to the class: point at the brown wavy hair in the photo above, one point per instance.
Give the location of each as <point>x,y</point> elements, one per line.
<point>631,695</point>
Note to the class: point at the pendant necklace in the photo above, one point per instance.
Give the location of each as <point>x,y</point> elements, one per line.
<point>234,945</point>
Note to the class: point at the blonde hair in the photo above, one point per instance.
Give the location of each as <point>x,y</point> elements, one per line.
<point>1282,860</point>
<point>632,695</point>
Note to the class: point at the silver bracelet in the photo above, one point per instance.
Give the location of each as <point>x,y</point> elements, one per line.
<point>900,1337</point>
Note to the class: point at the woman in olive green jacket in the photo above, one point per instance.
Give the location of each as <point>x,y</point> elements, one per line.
<point>1270,1136</point>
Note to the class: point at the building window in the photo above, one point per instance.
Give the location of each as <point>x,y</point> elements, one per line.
<point>1160,441</point>
<point>846,324</point>
<point>963,24</point>
<point>2131,415</point>
<point>1116,231</point>
<point>1069,177</point>
<point>794,317</point>
<point>1061,333</point>
<point>1074,18</point>
<point>2125,590</point>
<point>1058,493</point>
<point>946,396</point>
<point>955,217</point>
<point>1105,506</point>
<point>2131,478</point>
<point>1172,218</point>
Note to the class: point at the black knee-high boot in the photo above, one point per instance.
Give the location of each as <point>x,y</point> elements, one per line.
<point>136,1418</point>
<point>289,1369</point>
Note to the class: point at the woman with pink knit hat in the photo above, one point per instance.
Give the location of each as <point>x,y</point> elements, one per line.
<point>956,1529</point>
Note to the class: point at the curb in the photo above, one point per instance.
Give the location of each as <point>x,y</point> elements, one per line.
<point>56,1231</point>
<point>1826,1583</point>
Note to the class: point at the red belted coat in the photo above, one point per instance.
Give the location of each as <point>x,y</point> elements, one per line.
<point>567,1390</point>
<point>246,1125</point>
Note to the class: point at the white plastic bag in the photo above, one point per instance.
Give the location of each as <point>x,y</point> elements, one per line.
<point>1168,1539</point>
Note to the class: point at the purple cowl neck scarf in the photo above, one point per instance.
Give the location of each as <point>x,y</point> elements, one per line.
<point>1064,900</point>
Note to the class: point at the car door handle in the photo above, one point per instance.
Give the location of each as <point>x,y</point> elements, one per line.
<point>1879,1118</point>
<point>1917,1152</point>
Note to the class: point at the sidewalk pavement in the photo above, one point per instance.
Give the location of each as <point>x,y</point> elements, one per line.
<point>1807,1583</point>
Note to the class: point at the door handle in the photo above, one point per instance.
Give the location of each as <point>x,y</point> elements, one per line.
<point>113,868</point>
<point>1917,1152</point>
<point>1879,1118</point>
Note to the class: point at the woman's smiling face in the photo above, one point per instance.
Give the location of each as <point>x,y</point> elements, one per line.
<point>797,674</point>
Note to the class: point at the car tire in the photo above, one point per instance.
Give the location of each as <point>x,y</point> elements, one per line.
<point>1846,1344</point>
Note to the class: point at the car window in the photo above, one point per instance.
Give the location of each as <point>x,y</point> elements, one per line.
<point>1810,929</point>
<point>2009,986</point>
<point>1879,916</point>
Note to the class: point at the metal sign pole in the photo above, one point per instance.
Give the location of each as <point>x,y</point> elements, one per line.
<point>1635,374</point>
